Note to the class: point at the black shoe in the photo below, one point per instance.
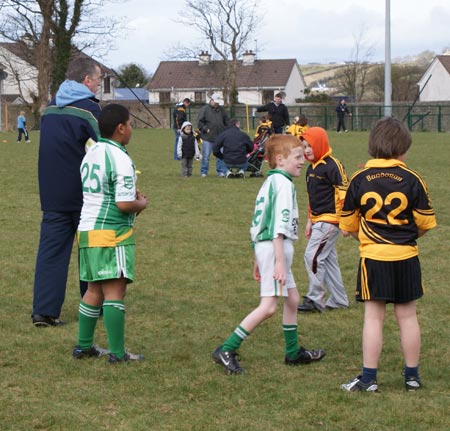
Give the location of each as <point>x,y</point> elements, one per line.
<point>305,357</point>
<point>356,385</point>
<point>93,352</point>
<point>308,306</point>
<point>45,321</point>
<point>228,361</point>
<point>114,359</point>
<point>412,384</point>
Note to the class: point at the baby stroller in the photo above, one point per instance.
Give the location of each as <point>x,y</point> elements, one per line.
<point>256,157</point>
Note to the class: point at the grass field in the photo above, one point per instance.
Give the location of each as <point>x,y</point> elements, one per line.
<point>193,286</point>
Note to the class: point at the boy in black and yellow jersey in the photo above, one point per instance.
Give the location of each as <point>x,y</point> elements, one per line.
<point>386,209</point>
<point>326,182</point>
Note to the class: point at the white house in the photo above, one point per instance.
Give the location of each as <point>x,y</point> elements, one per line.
<point>435,82</point>
<point>21,82</point>
<point>257,80</point>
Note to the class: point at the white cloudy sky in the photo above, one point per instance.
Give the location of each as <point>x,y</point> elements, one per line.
<point>314,31</point>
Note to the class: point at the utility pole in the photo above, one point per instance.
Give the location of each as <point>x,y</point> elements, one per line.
<point>387,62</point>
<point>3,76</point>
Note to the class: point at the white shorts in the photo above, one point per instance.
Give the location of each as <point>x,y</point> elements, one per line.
<point>265,258</point>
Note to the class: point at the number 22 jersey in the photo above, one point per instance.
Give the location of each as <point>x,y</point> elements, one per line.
<point>388,204</point>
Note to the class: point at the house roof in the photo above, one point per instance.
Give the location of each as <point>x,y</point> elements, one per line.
<point>192,75</point>
<point>445,60</point>
<point>21,50</point>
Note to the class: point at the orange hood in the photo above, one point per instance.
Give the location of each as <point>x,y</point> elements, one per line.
<point>317,138</point>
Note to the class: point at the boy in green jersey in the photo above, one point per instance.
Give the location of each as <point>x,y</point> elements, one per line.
<point>106,236</point>
<point>274,230</point>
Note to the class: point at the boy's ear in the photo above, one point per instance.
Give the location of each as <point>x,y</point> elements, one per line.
<point>120,128</point>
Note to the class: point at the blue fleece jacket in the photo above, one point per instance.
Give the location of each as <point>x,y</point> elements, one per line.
<point>67,124</point>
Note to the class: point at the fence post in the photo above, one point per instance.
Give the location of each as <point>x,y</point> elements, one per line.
<point>439,119</point>
<point>326,118</point>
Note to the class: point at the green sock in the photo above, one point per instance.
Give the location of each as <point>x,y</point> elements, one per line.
<point>87,319</point>
<point>233,342</point>
<point>291,338</point>
<point>114,319</point>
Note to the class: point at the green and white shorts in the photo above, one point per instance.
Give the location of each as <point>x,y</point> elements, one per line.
<point>106,263</point>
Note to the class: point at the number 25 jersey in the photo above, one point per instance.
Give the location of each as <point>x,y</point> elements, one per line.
<point>388,204</point>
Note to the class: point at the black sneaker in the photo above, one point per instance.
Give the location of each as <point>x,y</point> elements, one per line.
<point>114,359</point>
<point>305,357</point>
<point>308,306</point>
<point>228,361</point>
<point>412,384</point>
<point>356,385</point>
<point>46,321</point>
<point>93,352</point>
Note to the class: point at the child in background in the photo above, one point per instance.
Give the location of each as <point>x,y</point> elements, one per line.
<point>386,209</point>
<point>300,126</point>
<point>273,232</point>
<point>22,127</point>
<point>187,149</point>
<point>106,235</point>
<point>326,183</point>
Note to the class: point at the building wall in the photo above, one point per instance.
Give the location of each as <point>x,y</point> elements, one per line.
<point>438,87</point>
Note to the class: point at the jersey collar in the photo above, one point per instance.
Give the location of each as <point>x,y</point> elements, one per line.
<point>114,143</point>
<point>279,171</point>
<point>384,163</point>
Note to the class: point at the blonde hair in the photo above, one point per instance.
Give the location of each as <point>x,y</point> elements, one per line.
<point>280,144</point>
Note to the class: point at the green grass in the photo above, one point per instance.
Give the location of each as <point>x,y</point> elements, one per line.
<point>193,286</point>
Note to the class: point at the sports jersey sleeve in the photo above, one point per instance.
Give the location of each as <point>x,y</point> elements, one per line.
<point>125,178</point>
<point>423,211</point>
<point>350,214</point>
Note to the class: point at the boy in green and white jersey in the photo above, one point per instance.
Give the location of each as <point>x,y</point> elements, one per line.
<point>273,231</point>
<point>106,236</point>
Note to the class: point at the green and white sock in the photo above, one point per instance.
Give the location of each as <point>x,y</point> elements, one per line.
<point>291,338</point>
<point>233,342</point>
<point>87,320</point>
<point>114,319</point>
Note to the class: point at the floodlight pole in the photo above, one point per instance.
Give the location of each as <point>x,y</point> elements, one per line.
<point>387,62</point>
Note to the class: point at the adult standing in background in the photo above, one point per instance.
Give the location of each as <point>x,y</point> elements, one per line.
<point>341,110</point>
<point>179,117</point>
<point>68,126</point>
<point>212,120</point>
<point>277,113</point>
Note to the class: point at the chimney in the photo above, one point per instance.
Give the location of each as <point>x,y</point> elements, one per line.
<point>204,58</point>
<point>248,58</point>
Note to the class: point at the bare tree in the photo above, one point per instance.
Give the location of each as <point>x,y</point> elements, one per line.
<point>353,78</point>
<point>227,26</point>
<point>404,81</point>
<point>46,32</point>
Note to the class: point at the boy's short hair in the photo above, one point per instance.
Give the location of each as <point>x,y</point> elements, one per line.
<point>389,138</point>
<point>303,121</point>
<point>279,95</point>
<point>111,116</point>
<point>80,67</point>
<point>280,144</point>
<point>263,119</point>
<point>235,122</point>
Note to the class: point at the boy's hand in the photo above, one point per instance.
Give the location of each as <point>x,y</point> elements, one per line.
<point>279,272</point>
<point>142,200</point>
<point>308,228</point>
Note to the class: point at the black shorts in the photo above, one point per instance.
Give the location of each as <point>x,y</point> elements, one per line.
<point>391,281</point>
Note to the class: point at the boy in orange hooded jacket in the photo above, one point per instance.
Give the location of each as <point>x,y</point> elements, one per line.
<point>327,184</point>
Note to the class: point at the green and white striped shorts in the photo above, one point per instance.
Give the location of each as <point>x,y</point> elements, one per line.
<point>106,263</point>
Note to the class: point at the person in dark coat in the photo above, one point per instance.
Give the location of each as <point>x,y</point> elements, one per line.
<point>232,146</point>
<point>341,110</point>
<point>277,113</point>
<point>68,127</point>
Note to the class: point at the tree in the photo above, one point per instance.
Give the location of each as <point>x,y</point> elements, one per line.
<point>132,75</point>
<point>228,26</point>
<point>352,79</point>
<point>404,79</point>
<point>48,32</point>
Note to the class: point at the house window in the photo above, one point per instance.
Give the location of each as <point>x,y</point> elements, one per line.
<point>164,97</point>
<point>200,97</point>
<point>107,85</point>
<point>267,96</point>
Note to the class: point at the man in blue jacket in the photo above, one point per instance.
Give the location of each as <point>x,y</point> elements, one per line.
<point>68,127</point>
<point>232,146</point>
